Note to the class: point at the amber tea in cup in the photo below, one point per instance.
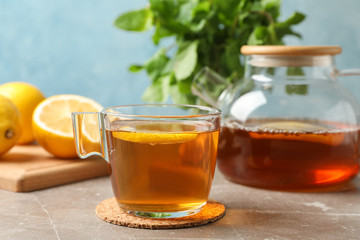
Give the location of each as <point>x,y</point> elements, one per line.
<point>162,157</point>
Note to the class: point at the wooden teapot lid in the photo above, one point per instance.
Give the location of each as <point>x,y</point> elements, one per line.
<point>290,50</point>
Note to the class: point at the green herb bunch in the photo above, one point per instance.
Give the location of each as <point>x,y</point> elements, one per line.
<point>205,33</point>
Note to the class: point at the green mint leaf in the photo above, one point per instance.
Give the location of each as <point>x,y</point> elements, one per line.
<point>160,33</point>
<point>259,36</point>
<point>198,27</point>
<point>272,7</point>
<point>185,86</point>
<point>154,66</point>
<point>186,13</point>
<point>168,68</point>
<point>284,28</point>
<point>294,19</point>
<point>267,4</point>
<point>158,91</point>
<point>137,20</point>
<point>153,93</point>
<point>175,27</point>
<point>165,8</point>
<point>202,13</point>
<point>256,6</point>
<point>202,6</point>
<point>230,59</point>
<point>282,31</point>
<point>185,60</point>
<point>136,68</point>
<point>179,97</point>
<point>226,10</point>
<point>166,14</point>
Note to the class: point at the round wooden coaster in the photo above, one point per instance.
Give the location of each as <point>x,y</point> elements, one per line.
<point>109,211</point>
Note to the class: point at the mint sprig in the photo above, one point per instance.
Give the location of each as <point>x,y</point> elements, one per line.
<point>205,33</point>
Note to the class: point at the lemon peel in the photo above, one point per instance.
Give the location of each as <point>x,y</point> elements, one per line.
<point>10,125</point>
<point>25,97</point>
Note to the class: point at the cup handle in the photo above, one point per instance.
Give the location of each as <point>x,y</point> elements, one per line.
<point>347,72</point>
<point>87,134</point>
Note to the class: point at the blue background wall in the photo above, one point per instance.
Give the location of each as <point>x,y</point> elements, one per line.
<point>65,46</point>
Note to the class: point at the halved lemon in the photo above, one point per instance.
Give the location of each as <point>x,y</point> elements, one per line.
<point>153,136</point>
<point>52,124</point>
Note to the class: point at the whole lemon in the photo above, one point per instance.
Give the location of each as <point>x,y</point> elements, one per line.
<point>26,97</point>
<point>10,126</point>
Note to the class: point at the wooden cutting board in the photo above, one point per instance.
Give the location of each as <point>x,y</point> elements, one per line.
<point>29,167</point>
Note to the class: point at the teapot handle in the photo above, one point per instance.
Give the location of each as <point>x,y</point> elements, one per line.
<point>208,85</point>
<point>347,72</point>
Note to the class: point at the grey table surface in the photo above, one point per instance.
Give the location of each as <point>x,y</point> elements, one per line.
<point>68,212</point>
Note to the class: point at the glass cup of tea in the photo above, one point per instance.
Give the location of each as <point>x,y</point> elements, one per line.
<point>162,157</point>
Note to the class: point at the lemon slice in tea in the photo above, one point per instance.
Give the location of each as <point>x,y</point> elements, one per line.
<point>156,133</point>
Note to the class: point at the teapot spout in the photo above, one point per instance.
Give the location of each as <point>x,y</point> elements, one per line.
<point>209,86</point>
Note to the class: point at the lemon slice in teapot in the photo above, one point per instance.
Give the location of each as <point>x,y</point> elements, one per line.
<point>293,126</point>
<point>298,131</point>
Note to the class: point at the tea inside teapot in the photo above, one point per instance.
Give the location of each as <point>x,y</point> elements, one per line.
<point>289,124</point>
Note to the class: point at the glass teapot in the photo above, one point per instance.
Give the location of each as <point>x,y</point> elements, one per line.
<point>289,124</point>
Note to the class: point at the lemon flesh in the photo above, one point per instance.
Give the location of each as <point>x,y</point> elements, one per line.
<point>157,133</point>
<point>298,131</point>
<point>155,137</point>
<point>52,123</point>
